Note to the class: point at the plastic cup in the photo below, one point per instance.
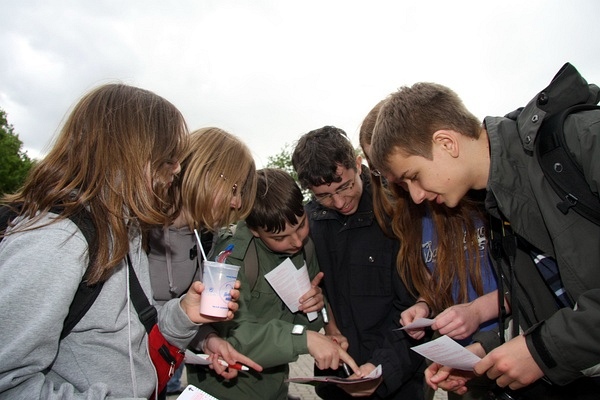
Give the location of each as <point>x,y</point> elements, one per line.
<point>218,279</point>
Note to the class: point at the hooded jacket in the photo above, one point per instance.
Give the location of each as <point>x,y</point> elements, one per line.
<point>262,326</point>
<point>564,342</point>
<point>106,353</point>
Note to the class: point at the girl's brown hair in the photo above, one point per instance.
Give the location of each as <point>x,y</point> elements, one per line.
<point>114,156</point>
<point>458,245</point>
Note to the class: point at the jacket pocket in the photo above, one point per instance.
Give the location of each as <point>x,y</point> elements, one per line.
<point>371,273</point>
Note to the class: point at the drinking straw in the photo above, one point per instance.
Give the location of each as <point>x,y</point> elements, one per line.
<point>200,244</point>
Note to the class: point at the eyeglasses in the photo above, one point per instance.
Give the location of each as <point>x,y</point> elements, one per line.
<point>233,188</point>
<point>327,198</point>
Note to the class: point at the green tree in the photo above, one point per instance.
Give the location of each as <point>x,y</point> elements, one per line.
<point>283,160</point>
<point>14,162</point>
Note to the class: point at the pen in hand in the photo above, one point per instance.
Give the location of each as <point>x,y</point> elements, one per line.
<point>238,366</point>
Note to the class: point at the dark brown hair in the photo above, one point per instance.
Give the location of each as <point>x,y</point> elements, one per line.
<point>278,201</point>
<point>319,153</point>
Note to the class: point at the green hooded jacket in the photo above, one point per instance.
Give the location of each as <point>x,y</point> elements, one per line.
<point>261,328</point>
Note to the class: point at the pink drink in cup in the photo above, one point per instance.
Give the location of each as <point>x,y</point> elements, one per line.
<point>218,279</point>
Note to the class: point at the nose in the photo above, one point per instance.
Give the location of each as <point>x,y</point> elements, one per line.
<point>236,202</point>
<point>296,241</point>
<point>416,193</point>
<point>338,200</point>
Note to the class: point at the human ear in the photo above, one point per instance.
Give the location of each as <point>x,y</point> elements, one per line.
<point>447,140</point>
<point>254,232</point>
<point>359,164</point>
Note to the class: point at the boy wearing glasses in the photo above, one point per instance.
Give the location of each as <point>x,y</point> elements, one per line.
<point>264,328</point>
<point>361,283</point>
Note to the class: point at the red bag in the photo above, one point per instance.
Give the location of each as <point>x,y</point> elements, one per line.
<point>165,357</point>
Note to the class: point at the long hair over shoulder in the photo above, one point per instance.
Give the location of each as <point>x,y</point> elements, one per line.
<point>457,254</point>
<point>115,156</point>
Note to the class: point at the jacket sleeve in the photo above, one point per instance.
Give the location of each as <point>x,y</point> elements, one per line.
<point>566,354</point>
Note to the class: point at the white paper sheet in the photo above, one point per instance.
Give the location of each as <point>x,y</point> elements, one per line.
<point>417,323</point>
<point>193,358</point>
<point>446,351</point>
<point>290,284</point>
<point>191,392</point>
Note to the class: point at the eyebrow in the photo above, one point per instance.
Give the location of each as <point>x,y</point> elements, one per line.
<point>403,176</point>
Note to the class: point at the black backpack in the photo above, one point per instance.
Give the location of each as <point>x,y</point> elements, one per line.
<point>561,169</point>
<point>85,295</point>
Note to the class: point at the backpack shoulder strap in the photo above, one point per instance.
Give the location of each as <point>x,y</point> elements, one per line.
<point>85,294</point>
<point>309,251</point>
<point>251,264</point>
<point>562,170</point>
<point>146,312</point>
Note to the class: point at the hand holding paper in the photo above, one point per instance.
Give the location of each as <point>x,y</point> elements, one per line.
<point>418,323</point>
<point>446,351</point>
<point>290,284</point>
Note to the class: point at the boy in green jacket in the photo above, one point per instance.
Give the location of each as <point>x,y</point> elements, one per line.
<point>264,328</point>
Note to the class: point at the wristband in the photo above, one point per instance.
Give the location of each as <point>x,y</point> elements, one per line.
<point>298,329</point>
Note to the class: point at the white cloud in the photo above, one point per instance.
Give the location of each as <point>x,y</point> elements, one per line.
<point>269,71</point>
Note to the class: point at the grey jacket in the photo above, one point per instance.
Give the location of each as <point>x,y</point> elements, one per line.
<point>105,355</point>
<point>175,263</point>
<point>564,342</point>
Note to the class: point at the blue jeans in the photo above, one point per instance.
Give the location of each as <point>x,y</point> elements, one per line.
<point>174,383</point>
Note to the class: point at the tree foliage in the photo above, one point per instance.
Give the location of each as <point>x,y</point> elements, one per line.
<point>283,160</point>
<point>14,162</point>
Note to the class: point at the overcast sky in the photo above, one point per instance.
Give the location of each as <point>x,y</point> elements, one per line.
<point>269,71</point>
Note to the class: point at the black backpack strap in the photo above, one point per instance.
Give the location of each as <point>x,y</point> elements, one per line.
<point>562,170</point>
<point>5,217</point>
<point>86,294</point>
<point>251,264</point>
<point>146,312</point>
<point>309,251</point>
